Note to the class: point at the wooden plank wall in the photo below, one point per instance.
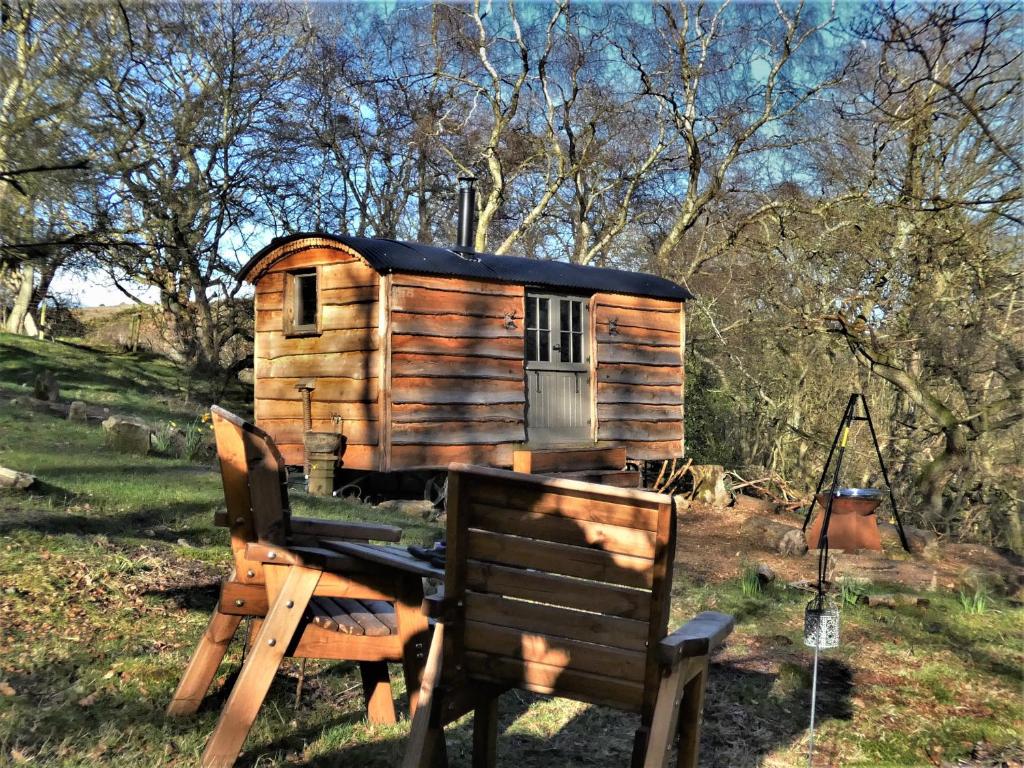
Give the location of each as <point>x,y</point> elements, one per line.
<point>639,374</point>
<point>457,387</point>
<point>342,361</point>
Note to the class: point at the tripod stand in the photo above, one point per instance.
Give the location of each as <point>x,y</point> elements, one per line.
<point>843,433</point>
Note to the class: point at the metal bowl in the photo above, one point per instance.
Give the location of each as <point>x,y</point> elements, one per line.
<point>857,493</point>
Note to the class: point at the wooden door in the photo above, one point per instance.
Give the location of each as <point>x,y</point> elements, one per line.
<point>557,369</point>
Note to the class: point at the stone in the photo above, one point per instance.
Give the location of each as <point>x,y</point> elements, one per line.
<point>12,478</point>
<point>77,412</point>
<point>792,544</point>
<point>415,507</point>
<point>765,574</point>
<point>31,403</point>
<point>921,542</point>
<point>127,435</point>
<point>709,484</point>
<point>46,387</point>
<point>177,443</point>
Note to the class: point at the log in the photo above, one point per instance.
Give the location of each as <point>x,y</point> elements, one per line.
<point>12,478</point>
<point>783,538</point>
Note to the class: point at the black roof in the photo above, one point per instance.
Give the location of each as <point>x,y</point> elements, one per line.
<point>388,256</point>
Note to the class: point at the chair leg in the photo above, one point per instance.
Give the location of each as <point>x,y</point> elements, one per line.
<point>691,714</point>
<point>204,663</point>
<point>276,633</point>
<point>426,735</point>
<point>380,705</point>
<point>414,631</point>
<point>664,724</point>
<point>485,732</point>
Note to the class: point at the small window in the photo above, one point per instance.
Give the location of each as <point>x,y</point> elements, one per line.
<point>538,329</point>
<point>571,331</point>
<point>303,304</point>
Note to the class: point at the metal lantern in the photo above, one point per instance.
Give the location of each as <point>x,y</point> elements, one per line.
<point>821,623</point>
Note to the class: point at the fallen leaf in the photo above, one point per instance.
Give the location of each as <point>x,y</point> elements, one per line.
<point>6,689</point>
<point>88,701</point>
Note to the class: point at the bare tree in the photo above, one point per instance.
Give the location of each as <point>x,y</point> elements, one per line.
<point>48,139</point>
<point>201,86</point>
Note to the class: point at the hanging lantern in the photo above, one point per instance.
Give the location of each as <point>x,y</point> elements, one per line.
<point>821,623</point>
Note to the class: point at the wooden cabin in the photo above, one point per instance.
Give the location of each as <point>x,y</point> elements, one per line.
<point>420,356</point>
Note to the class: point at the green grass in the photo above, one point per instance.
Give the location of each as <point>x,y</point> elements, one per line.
<point>108,574</point>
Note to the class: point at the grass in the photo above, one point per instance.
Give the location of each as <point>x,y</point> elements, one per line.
<point>108,575</point>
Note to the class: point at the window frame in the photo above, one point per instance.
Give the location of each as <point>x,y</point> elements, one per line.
<point>292,297</point>
<point>554,329</point>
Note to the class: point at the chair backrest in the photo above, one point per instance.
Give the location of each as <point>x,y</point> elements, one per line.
<point>564,586</point>
<point>255,487</point>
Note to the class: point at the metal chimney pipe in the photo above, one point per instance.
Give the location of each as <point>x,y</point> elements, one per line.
<point>467,213</point>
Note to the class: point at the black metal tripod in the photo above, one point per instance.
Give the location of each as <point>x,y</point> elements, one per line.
<point>850,416</point>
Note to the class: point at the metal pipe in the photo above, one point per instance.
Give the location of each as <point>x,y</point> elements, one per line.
<point>306,388</point>
<point>467,213</point>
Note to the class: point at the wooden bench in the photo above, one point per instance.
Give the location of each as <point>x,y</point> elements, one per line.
<point>561,587</point>
<point>305,598</point>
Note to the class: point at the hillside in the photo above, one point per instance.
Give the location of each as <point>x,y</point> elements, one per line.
<point>109,572</point>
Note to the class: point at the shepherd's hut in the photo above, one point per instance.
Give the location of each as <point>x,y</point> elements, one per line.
<point>420,355</point>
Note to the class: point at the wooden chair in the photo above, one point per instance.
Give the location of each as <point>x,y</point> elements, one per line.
<point>561,587</point>
<point>306,599</point>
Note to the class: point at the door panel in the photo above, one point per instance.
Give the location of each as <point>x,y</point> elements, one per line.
<point>557,369</point>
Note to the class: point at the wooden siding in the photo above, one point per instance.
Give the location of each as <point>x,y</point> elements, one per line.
<point>342,362</point>
<point>639,374</point>
<point>456,375</point>
<point>419,371</point>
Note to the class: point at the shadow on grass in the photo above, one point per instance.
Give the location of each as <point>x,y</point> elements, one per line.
<point>129,525</point>
<point>745,720</point>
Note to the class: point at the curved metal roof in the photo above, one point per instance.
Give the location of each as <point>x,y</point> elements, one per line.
<point>388,256</point>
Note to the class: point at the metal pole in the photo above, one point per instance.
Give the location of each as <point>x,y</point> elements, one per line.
<point>814,696</point>
<point>845,432</point>
<point>885,475</point>
<point>828,461</point>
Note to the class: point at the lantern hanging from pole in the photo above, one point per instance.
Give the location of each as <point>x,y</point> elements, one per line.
<point>821,623</point>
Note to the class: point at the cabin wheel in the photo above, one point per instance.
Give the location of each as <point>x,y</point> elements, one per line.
<point>436,489</point>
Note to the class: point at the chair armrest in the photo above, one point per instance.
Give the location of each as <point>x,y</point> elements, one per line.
<point>697,637</point>
<point>309,557</point>
<point>311,526</point>
<point>440,608</point>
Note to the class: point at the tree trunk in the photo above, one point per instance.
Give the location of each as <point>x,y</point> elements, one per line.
<point>23,301</point>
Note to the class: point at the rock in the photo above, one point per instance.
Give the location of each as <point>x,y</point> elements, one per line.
<point>792,544</point>
<point>415,507</point>
<point>77,412</point>
<point>31,403</point>
<point>46,387</point>
<point>753,504</point>
<point>765,574</point>
<point>176,441</point>
<point>12,478</point>
<point>891,601</point>
<point>127,435</point>
<point>921,542</point>
<point>709,484</point>
<point>184,543</point>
